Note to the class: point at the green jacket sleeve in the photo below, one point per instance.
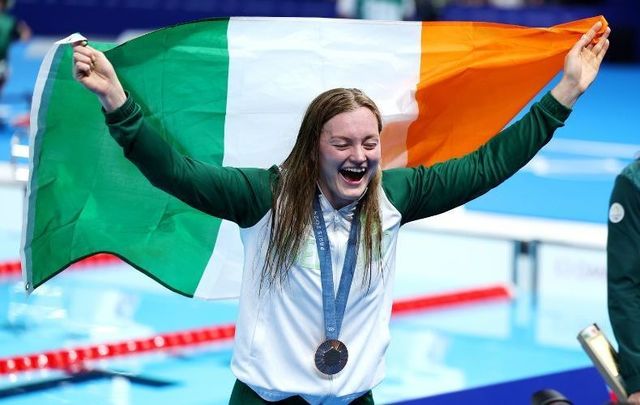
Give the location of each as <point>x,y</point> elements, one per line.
<point>424,191</point>
<point>623,277</point>
<point>239,195</point>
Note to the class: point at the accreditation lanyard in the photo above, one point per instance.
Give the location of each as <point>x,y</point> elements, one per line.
<point>334,307</point>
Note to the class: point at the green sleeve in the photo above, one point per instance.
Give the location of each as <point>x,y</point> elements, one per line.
<point>425,191</point>
<point>239,195</point>
<point>623,279</point>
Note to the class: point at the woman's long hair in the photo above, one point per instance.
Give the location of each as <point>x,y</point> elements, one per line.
<point>293,194</point>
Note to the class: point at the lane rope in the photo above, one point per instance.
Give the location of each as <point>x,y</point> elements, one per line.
<point>14,268</point>
<point>74,359</point>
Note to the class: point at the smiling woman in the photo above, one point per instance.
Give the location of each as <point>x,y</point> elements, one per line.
<point>338,145</point>
<point>329,195</point>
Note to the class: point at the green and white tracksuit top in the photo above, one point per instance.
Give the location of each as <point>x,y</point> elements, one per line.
<point>278,330</point>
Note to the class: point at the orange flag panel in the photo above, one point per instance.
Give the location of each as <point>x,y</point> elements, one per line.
<point>474,78</point>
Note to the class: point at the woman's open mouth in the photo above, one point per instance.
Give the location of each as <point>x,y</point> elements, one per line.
<point>353,174</point>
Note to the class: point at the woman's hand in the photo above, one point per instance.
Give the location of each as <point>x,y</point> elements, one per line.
<point>94,71</point>
<point>581,65</point>
<point>634,399</point>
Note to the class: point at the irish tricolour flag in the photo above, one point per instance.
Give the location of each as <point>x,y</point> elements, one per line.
<point>232,92</point>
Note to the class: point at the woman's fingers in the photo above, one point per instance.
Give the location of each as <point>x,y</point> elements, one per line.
<point>85,53</point>
<point>84,62</point>
<point>602,51</point>
<point>78,57</point>
<point>81,49</point>
<point>87,60</point>
<point>589,35</point>
<point>84,69</point>
<point>603,42</point>
<point>586,38</point>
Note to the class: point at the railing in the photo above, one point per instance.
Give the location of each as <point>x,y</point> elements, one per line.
<point>546,255</point>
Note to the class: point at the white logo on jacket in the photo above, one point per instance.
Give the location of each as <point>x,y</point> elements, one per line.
<point>616,213</point>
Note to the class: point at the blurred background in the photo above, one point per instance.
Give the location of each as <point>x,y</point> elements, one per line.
<point>494,293</point>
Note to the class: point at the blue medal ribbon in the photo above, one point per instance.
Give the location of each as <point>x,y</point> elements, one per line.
<point>334,308</point>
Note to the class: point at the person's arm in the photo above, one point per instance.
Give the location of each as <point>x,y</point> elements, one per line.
<point>423,192</point>
<point>623,279</point>
<point>239,195</point>
<point>23,31</point>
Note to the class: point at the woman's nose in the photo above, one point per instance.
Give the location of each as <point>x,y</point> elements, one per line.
<point>358,155</point>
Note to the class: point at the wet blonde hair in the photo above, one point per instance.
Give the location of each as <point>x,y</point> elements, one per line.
<point>294,193</point>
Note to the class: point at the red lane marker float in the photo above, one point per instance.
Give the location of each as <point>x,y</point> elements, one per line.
<point>613,397</point>
<point>499,292</point>
<point>22,121</point>
<point>76,358</point>
<point>10,268</point>
<point>13,268</point>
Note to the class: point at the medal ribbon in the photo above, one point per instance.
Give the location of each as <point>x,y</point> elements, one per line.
<point>334,307</point>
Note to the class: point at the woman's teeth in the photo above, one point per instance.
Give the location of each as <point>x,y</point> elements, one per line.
<point>353,173</point>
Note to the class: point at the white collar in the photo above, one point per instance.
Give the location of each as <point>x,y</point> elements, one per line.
<point>337,217</point>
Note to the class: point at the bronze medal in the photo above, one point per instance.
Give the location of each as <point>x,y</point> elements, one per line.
<point>331,356</point>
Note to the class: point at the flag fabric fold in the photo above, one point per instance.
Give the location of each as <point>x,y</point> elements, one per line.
<point>232,92</point>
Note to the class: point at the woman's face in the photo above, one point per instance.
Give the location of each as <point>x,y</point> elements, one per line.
<point>349,155</point>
